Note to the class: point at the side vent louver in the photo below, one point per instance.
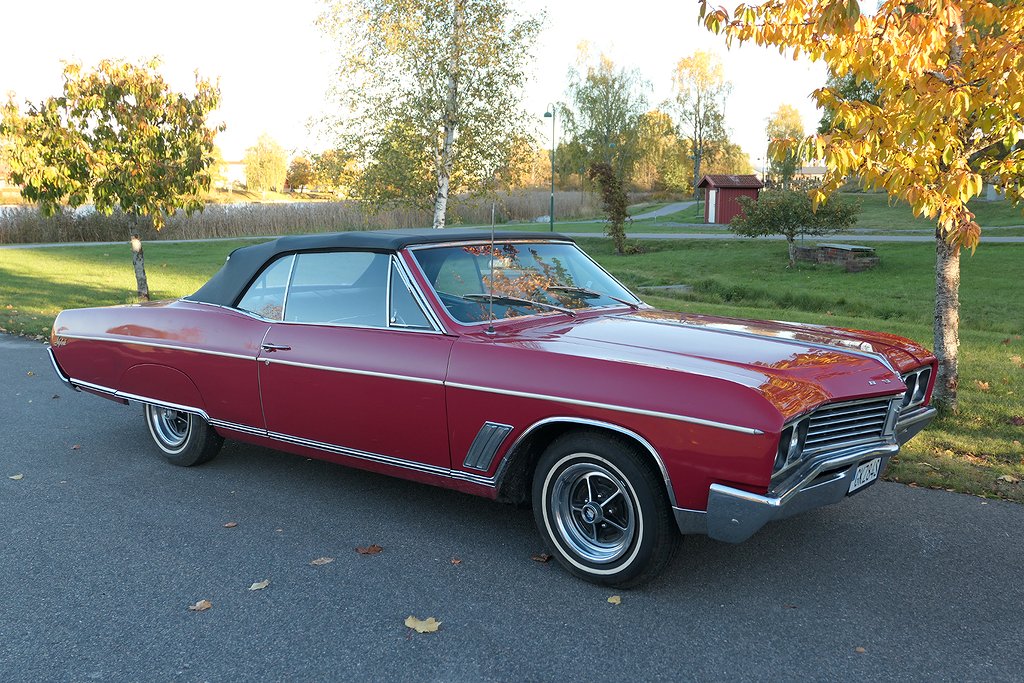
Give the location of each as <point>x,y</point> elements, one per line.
<point>485,445</point>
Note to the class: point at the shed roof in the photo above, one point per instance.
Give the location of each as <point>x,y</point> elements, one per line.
<point>719,181</point>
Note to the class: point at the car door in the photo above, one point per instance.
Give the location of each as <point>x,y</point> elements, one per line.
<point>355,366</point>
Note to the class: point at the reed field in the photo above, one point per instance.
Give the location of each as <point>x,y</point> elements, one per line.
<point>24,224</point>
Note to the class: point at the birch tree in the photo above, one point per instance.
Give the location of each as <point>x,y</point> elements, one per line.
<point>430,93</point>
<point>700,94</point>
<point>949,114</point>
<point>603,113</point>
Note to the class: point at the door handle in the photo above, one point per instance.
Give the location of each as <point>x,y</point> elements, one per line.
<point>269,348</point>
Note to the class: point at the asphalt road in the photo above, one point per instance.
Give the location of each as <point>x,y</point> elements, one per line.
<point>104,546</point>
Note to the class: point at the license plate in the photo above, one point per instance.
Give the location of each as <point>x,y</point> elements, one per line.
<point>865,474</point>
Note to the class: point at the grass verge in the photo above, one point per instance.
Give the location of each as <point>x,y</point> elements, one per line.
<point>973,451</point>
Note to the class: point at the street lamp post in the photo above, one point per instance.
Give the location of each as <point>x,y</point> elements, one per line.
<point>550,113</point>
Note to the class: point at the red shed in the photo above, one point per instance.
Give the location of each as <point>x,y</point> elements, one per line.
<point>722,194</point>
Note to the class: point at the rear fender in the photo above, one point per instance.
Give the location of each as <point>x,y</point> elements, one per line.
<point>151,383</point>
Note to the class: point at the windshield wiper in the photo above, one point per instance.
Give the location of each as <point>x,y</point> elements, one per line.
<point>591,293</point>
<point>518,300</point>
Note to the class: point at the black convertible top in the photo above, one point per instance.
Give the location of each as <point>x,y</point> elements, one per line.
<point>244,263</point>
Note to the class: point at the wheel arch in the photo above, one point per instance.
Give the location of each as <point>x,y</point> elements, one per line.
<point>513,478</point>
<point>164,386</point>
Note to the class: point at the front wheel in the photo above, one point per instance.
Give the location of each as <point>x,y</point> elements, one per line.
<point>601,507</point>
<point>184,439</point>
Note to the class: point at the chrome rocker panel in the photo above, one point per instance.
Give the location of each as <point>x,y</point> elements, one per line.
<point>734,515</point>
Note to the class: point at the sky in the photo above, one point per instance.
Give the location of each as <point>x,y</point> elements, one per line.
<point>275,66</point>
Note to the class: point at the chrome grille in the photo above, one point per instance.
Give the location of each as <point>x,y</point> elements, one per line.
<point>841,424</point>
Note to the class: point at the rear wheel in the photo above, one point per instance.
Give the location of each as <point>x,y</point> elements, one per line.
<point>603,510</point>
<point>183,438</point>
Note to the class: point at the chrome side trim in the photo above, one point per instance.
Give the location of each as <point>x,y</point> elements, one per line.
<point>60,373</point>
<point>503,465</point>
<point>362,455</point>
<point>163,404</point>
<point>95,387</point>
<point>608,406</point>
<point>146,342</point>
<point>236,427</point>
<point>318,445</point>
<point>352,371</point>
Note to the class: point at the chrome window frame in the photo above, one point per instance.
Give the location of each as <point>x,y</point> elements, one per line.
<point>469,243</point>
<point>393,260</point>
<point>263,271</point>
<point>397,264</point>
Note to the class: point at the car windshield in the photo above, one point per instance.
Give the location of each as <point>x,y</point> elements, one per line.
<point>515,279</point>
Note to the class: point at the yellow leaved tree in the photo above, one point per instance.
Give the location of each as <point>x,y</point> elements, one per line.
<point>949,116</point>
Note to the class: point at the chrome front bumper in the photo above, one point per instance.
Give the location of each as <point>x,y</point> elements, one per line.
<point>734,515</point>
<point>907,426</point>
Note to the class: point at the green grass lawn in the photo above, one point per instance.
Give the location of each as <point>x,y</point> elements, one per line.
<point>691,214</point>
<point>967,452</point>
<point>877,214</point>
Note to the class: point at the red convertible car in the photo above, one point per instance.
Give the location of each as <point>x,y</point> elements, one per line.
<point>510,366</point>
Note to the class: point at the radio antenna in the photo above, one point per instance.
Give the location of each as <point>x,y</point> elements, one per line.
<point>490,281</point>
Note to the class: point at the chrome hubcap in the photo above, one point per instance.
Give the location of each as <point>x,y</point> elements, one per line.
<point>593,512</point>
<point>170,426</point>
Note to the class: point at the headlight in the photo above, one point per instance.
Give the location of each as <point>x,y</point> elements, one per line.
<point>917,387</point>
<point>791,445</point>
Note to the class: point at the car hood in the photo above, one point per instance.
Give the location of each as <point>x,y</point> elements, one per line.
<point>796,366</point>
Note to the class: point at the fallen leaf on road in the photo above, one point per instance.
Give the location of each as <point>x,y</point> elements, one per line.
<point>790,606</point>
<point>428,625</point>
<point>55,396</point>
<point>456,561</point>
<point>30,373</point>
<point>16,477</point>
<point>1010,479</point>
<point>231,525</point>
<point>200,606</point>
<point>77,447</point>
<point>540,557</point>
<point>983,386</point>
<point>260,585</point>
<point>859,650</point>
<point>369,550</point>
<point>321,561</point>
<point>913,485</point>
<point>615,599</point>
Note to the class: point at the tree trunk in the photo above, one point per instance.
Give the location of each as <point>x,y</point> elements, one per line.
<point>947,323</point>
<point>791,243</point>
<point>444,167</point>
<point>138,261</point>
<point>696,170</point>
